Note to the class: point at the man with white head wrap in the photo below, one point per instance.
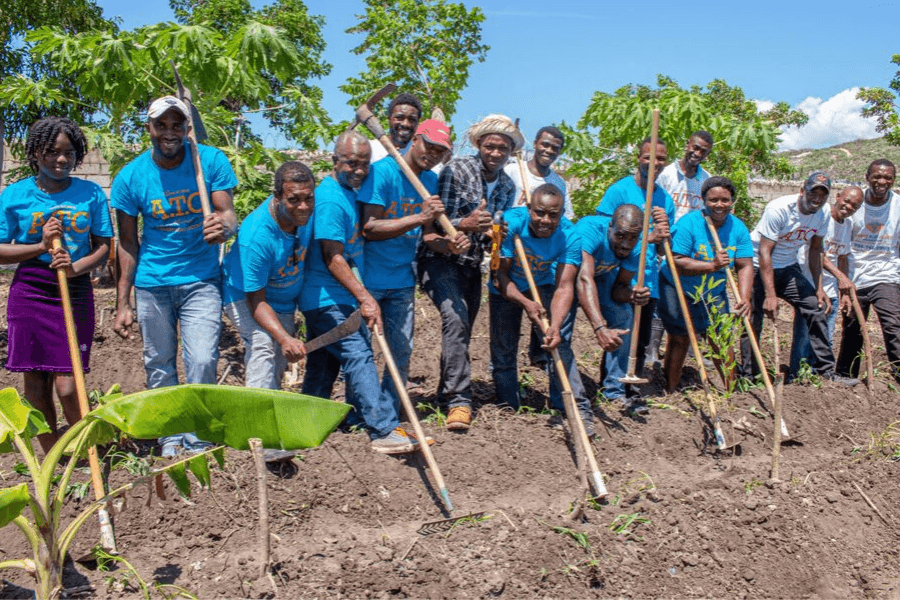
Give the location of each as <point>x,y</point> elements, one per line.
<point>472,189</point>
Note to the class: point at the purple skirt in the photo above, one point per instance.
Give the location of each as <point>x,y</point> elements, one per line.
<point>37,326</point>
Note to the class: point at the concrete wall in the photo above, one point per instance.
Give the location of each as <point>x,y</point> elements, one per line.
<point>93,168</point>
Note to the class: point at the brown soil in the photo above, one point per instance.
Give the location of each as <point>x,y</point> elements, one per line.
<point>344,520</point>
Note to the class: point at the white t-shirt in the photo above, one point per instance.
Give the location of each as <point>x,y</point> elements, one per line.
<point>836,242</point>
<point>685,191</point>
<point>783,223</point>
<point>875,239</point>
<point>378,152</point>
<point>512,169</point>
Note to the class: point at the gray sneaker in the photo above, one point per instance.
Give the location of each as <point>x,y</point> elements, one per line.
<point>396,442</point>
<point>847,381</point>
<point>588,420</point>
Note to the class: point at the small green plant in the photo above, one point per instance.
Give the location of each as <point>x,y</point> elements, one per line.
<point>626,525</point>
<point>723,332</point>
<point>807,376</point>
<point>751,485</point>
<point>435,415</point>
<point>472,520</point>
<point>78,490</point>
<point>886,444</point>
<point>106,562</point>
<point>580,537</point>
<point>526,383</point>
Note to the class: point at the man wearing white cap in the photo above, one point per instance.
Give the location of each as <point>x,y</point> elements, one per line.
<point>393,214</point>
<point>472,188</point>
<point>173,266</point>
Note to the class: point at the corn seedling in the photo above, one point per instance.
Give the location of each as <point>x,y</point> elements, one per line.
<point>434,414</point>
<point>580,537</point>
<point>625,525</point>
<point>216,413</point>
<point>106,562</point>
<point>751,485</point>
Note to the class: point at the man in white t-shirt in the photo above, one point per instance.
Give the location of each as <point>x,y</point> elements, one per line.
<point>835,265</point>
<point>548,143</point>
<point>404,113</point>
<point>788,224</point>
<point>874,264</point>
<point>684,177</point>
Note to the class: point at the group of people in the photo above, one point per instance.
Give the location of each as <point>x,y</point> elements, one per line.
<point>363,238</point>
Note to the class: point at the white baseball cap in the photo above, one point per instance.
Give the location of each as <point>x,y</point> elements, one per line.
<point>161,105</point>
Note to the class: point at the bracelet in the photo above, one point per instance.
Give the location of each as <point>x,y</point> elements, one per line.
<point>598,328</point>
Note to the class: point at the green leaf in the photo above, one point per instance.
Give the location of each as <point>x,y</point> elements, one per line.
<point>17,416</point>
<point>199,466</point>
<point>12,501</point>
<point>226,415</point>
<point>179,477</point>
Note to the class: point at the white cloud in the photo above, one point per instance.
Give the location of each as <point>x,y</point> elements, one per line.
<point>832,121</point>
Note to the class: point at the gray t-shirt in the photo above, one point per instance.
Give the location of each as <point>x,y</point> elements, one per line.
<point>783,223</point>
<point>874,243</point>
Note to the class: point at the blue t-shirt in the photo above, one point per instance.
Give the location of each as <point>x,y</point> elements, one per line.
<point>172,250</point>
<point>563,246</point>
<point>594,234</point>
<point>264,256</point>
<point>389,263</point>
<point>337,219</point>
<point>692,238</point>
<point>626,191</point>
<point>82,208</point>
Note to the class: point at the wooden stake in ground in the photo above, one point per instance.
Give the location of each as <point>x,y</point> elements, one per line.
<point>692,334</point>
<point>107,539</point>
<point>779,390</point>
<point>754,344</point>
<point>867,344</point>
<point>631,377</point>
<point>413,417</point>
<point>572,414</point>
<point>256,449</point>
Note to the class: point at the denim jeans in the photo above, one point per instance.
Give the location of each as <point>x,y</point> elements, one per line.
<point>194,308</point>
<point>885,299</point>
<point>264,362</point>
<point>506,324</point>
<point>793,287</point>
<point>398,313</point>
<point>618,315</point>
<point>800,346</point>
<point>456,292</point>
<point>353,355</point>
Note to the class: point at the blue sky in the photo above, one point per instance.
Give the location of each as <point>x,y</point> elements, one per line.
<point>548,58</point>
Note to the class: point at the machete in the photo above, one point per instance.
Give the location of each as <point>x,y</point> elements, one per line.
<point>350,325</point>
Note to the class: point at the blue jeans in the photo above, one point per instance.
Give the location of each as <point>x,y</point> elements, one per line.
<point>618,315</point>
<point>264,362</point>
<point>456,292</point>
<point>195,309</point>
<point>353,355</point>
<point>506,323</point>
<point>800,346</point>
<point>398,313</point>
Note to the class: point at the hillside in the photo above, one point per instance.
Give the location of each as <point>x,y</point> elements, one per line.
<point>845,162</point>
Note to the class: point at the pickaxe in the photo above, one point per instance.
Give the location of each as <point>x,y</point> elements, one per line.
<point>372,102</point>
<point>365,116</point>
<point>195,133</point>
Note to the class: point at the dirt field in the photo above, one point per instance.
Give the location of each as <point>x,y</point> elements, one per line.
<point>679,522</point>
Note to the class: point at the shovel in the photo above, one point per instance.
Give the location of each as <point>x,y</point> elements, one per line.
<point>572,415</point>
<point>630,377</point>
<point>107,538</point>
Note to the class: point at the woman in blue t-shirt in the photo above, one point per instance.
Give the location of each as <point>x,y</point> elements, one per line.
<point>702,273</point>
<point>33,212</point>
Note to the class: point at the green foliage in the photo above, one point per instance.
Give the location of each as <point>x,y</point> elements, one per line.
<point>603,143</point>
<point>424,46</point>
<point>881,104</point>
<point>847,161</point>
<point>626,525</point>
<point>724,329</point>
<point>807,376</point>
<point>220,414</point>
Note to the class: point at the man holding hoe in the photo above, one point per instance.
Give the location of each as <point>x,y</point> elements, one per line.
<point>472,188</point>
<point>332,292</point>
<point>393,214</point>
<point>173,266</point>
<point>553,252</point>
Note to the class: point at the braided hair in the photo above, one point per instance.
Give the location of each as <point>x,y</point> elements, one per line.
<point>43,134</point>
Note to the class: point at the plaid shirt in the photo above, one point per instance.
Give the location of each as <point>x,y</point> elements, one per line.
<point>461,187</point>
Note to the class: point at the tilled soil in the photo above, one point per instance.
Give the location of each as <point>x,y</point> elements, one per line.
<point>679,521</point>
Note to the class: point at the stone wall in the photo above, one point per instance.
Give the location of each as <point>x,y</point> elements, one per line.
<point>93,168</point>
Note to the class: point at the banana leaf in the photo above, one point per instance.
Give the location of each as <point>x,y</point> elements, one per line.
<point>12,501</point>
<point>226,415</point>
<point>17,416</point>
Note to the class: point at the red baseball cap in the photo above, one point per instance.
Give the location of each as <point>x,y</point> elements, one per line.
<point>436,132</point>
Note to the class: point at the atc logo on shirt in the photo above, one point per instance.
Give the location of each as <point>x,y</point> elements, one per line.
<point>181,203</point>
<point>77,221</point>
<point>799,235</point>
<point>538,266</point>
<point>601,268</point>
<point>293,266</point>
<point>402,208</point>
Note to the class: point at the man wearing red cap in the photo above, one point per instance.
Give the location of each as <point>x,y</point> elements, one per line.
<point>393,214</point>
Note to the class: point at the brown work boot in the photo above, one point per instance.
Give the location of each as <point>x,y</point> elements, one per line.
<point>460,418</point>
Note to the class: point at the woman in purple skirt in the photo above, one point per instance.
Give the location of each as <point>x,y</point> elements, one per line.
<point>33,212</point>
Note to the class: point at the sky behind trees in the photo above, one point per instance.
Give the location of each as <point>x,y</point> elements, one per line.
<point>547,58</point>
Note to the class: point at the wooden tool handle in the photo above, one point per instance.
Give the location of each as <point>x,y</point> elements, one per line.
<point>442,219</point>
<point>524,176</point>
<point>198,174</point>
<point>572,413</point>
<point>867,344</point>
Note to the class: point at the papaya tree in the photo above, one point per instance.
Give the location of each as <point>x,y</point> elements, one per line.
<point>224,415</point>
